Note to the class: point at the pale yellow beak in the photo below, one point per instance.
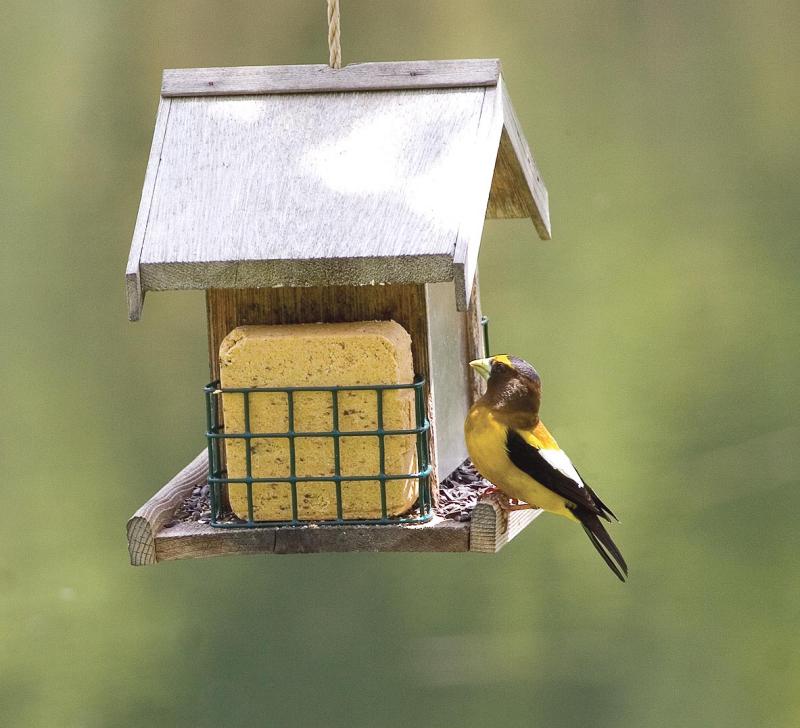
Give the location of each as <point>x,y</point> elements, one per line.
<point>482,366</point>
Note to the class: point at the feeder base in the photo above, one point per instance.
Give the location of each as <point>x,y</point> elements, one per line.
<point>151,539</point>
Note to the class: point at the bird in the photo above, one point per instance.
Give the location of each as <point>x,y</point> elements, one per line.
<point>512,449</point>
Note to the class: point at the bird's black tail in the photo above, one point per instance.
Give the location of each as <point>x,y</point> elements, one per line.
<point>602,541</point>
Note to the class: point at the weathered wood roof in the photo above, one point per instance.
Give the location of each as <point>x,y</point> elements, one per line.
<point>306,175</point>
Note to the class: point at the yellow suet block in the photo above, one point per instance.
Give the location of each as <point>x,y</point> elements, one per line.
<point>370,352</point>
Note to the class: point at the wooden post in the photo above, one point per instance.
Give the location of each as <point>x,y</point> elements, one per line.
<point>492,527</point>
<point>475,348</point>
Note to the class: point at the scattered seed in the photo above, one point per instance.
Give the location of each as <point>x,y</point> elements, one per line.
<point>458,496</point>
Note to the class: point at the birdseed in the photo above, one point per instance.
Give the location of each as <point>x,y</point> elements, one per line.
<point>458,495</point>
<point>460,491</point>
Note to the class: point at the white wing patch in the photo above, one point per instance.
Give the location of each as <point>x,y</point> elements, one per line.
<point>561,462</point>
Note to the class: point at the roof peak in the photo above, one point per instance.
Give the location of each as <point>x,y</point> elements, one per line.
<point>319,78</point>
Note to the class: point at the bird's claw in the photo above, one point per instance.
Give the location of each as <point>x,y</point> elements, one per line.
<point>509,506</point>
<point>504,502</point>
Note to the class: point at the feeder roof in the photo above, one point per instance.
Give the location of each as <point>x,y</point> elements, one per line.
<point>308,175</point>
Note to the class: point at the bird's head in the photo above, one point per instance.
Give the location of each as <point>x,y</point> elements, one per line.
<point>512,383</point>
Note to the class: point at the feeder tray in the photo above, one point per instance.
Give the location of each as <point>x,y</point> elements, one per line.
<point>153,536</point>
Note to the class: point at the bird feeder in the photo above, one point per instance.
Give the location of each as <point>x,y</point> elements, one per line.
<point>306,198</point>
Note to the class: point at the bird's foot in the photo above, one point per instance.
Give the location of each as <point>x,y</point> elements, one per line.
<point>506,503</point>
<point>515,506</point>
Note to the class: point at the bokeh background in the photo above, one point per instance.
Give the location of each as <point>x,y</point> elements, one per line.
<point>663,319</point>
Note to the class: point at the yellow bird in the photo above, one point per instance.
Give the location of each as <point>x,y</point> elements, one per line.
<point>510,447</point>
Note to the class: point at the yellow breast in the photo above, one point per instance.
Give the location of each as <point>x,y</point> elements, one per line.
<point>486,443</point>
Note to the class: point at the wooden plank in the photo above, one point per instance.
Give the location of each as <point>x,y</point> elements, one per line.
<point>198,541</point>
<point>232,307</point>
<point>322,78</point>
<point>133,283</point>
<point>150,518</point>
<point>344,185</point>
<point>475,196</point>
<point>436,536</point>
<point>449,376</point>
<point>363,271</point>
<point>510,196</point>
<point>537,196</point>
<point>492,528</point>
<point>193,540</point>
<point>475,347</point>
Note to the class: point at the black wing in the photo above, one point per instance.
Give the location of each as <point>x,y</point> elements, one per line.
<point>529,460</point>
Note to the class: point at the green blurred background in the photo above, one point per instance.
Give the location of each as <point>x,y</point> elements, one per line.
<point>663,319</point>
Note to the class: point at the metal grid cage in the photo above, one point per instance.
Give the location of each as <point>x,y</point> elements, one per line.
<point>218,478</point>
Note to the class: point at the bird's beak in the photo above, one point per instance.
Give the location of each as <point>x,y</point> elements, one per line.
<point>482,366</point>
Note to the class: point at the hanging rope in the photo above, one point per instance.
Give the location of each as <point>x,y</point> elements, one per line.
<point>334,41</point>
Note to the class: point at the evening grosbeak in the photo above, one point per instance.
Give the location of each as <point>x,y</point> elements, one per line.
<point>510,447</point>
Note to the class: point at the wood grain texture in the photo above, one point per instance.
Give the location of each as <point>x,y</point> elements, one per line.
<point>510,196</point>
<point>406,304</point>
<point>151,517</point>
<point>199,541</point>
<point>535,196</point>
<point>449,377</point>
<point>475,347</point>
<point>299,272</point>
<point>133,283</point>
<point>475,196</point>
<point>322,78</point>
<point>356,176</point>
<point>492,528</point>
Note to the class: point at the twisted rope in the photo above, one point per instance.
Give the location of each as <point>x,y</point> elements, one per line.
<point>334,41</point>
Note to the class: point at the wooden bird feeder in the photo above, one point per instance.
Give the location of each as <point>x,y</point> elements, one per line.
<point>306,195</point>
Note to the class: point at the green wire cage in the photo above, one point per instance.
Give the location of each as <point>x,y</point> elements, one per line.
<point>222,515</point>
